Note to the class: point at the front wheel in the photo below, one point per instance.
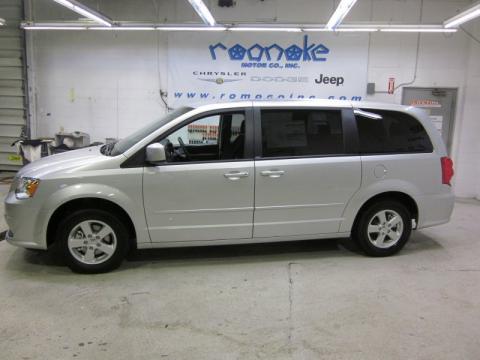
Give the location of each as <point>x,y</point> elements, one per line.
<point>92,241</point>
<point>383,229</point>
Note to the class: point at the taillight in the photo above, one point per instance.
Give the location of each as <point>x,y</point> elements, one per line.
<point>447,170</point>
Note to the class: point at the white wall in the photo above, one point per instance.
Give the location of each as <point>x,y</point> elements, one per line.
<point>108,83</point>
<point>468,129</point>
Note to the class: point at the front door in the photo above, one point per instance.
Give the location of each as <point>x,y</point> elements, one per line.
<point>305,173</point>
<point>440,105</point>
<point>205,189</point>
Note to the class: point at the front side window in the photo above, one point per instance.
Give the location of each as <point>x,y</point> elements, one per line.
<point>210,138</point>
<point>288,132</point>
<point>395,132</point>
<point>123,145</point>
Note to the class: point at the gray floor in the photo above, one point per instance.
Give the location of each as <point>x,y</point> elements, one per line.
<point>306,300</point>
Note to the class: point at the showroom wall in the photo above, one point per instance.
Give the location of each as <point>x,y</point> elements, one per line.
<point>467,140</point>
<point>108,83</point>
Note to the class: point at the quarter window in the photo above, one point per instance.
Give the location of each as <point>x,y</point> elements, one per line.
<point>396,132</point>
<point>301,133</point>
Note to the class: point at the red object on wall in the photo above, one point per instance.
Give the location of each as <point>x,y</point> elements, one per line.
<point>391,85</point>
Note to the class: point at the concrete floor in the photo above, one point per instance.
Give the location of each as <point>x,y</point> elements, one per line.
<point>305,300</point>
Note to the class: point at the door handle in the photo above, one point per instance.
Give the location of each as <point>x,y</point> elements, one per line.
<point>272,173</point>
<point>236,175</point>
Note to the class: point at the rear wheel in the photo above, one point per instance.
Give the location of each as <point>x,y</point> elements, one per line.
<point>92,241</point>
<point>383,229</point>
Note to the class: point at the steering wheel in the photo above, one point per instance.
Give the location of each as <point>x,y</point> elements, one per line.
<point>184,148</point>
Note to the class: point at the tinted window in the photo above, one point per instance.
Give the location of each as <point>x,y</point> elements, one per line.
<point>301,132</point>
<point>396,133</point>
<point>214,137</point>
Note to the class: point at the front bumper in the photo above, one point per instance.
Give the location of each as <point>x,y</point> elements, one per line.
<point>24,221</point>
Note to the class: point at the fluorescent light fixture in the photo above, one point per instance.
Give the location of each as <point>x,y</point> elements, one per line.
<point>361,29</point>
<point>85,11</point>
<point>202,11</point>
<point>44,27</point>
<point>2,22</point>
<point>340,12</point>
<point>417,30</point>
<point>414,28</point>
<point>470,13</point>
<point>400,28</point>
<point>317,29</point>
<point>265,28</point>
<point>122,28</point>
<point>191,28</point>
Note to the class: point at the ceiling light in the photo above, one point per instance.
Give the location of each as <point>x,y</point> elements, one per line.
<point>203,12</point>
<point>415,30</point>
<point>121,28</point>
<point>2,22</point>
<point>317,29</point>
<point>400,28</point>
<point>361,29</point>
<point>340,12</point>
<point>85,11</point>
<point>466,15</point>
<point>265,28</point>
<point>191,28</point>
<point>44,27</point>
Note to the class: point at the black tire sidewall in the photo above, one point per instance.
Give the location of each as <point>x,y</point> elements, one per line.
<point>74,219</point>
<point>360,230</point>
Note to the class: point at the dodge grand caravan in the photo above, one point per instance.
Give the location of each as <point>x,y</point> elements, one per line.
<point>239,173</point>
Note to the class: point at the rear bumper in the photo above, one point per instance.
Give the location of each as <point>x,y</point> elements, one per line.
<point>435,209</point>
<point>23,220</point>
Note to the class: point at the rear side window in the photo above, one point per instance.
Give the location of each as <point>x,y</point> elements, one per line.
<point>395,133</point>
<point>301,132</point>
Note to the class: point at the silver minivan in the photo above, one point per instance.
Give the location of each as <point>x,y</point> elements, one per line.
<point>235,173</point>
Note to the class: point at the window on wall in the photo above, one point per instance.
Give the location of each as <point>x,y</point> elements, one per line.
<point>214,137</point>
<point>289,132</point>
<point>396,132</point>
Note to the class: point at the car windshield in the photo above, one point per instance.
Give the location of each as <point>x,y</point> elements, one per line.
<point>119,147</point>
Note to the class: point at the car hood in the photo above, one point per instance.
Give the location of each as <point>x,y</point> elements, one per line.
<point>67,162</point>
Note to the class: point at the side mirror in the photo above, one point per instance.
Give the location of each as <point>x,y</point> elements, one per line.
<point>156,153</point>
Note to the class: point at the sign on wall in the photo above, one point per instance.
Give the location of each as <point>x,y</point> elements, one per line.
<point>214,67</point>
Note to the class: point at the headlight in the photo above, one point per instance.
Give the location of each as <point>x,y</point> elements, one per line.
<point>26,187</point>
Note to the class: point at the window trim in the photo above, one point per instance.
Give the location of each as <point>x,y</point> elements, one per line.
<point>138,159</point>
<point>350,137</point>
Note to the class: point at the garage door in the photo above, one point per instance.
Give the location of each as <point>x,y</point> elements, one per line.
<point>12,85</point>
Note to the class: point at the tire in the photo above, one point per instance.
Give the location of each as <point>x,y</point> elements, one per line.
<point>92,241</point>
<point>383,235</point>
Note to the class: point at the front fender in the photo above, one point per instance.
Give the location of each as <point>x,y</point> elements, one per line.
<point>131,203</point>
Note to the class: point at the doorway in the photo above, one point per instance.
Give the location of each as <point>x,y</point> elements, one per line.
<point>440,104</point>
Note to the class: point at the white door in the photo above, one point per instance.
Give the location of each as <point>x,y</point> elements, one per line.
<point>205,189</point>
<point>304,175</point>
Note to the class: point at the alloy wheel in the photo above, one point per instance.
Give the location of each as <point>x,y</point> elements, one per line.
<point>385,229</point>
<point>92,242</point>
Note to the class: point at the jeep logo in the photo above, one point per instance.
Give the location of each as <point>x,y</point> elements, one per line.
<point>330,80</point>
